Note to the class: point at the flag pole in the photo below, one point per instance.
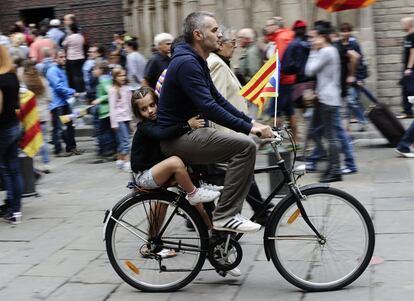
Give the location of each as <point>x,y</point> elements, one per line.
<point>277,86</point>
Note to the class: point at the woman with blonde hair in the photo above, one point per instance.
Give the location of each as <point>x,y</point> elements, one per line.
<point>9,139</point>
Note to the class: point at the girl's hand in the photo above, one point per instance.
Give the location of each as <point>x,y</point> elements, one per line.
<point>96,102</point>
<point>196,122</point>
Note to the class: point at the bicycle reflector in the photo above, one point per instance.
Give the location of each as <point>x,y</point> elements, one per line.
<point>132,267</point>
<point>294,216</point>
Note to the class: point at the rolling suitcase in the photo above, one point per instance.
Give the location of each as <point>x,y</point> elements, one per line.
<point>384,120</point>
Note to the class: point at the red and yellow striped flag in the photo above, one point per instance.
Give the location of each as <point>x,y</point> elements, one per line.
<point>338,5</point>
<point>252,91</point>
<point>32,139</point>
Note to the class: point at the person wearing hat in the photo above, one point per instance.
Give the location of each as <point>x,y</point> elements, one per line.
<point>54,32</point>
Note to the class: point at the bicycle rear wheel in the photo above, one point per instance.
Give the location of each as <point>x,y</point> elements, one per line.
<point>333,262</point>
<point>142,257</point>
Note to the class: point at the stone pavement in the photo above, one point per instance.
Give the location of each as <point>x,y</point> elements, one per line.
<point>57,253</point>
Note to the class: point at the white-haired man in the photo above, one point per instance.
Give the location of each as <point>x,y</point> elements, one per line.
<point>159,61</point>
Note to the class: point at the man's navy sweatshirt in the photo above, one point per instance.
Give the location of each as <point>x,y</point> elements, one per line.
<point>146,151</point>
<point>188,90</point>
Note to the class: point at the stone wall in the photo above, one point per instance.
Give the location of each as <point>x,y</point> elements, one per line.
<point>99,19</point>
<point>389,40</point>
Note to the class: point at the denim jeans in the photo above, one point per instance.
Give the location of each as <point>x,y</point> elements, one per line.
<point>407,139</point>
<point>344,140</point>
<point>324,120</point>
<point>407,106</point>
<point>62,131</point>
<point>106,138</point>
<point>44,149</point>
<point>354,105</point>
<point>10,166</point>
<point>122,137</point>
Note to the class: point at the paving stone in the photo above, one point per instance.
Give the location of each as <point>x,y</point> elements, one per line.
<point>97,271</point>
<point>9,272</point>
<point>82,292</point>
<point>28,288</point>
<point>394,204</point>
<point>348,293</point>
<point>92,240</point>
<point>126,292</point>
<point>394,246</point>
<point>394,222</point>
<point>394,274</point>
<point>64,263</point>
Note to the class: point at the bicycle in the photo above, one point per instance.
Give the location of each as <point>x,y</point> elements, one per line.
<point>319,238</point>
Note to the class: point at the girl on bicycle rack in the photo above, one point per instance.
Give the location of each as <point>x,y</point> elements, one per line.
<point>150,167</point>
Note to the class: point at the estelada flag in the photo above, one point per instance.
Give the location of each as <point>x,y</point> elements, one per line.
<point>32,139</point>
<point>338,5</point>
<point>254,89</point>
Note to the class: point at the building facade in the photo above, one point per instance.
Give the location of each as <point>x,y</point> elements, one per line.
<point>99,19</point>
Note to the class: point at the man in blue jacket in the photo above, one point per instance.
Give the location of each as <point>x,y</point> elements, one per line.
<point>58,83</point>
<point>188,91</point>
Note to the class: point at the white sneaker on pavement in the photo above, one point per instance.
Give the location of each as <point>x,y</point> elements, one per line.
<point>211,186</point>
<point>202,195</point>
<point>237,223</point>
<point>126,166</point>
<point>119,164</point>
<point>235,272</point>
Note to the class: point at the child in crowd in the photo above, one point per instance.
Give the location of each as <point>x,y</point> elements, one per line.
<point>120,115</point>
<point>105,135</point>
<point>151,169</point>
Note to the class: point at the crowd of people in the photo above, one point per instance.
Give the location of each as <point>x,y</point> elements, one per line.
<point>190,85</point>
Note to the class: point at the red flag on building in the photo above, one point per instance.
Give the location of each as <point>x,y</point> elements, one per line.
<point>32,139</point>
<point>338,5</point>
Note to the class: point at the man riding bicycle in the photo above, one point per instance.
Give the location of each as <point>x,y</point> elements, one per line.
<point>187,91</point>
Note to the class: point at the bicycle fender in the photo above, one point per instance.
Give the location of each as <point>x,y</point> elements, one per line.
<point>266,241</point>
<point>135,194</point>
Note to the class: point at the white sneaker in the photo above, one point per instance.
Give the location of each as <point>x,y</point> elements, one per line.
<point>119,164</point>
<point>237,223</point>
<point>211,186</point>
<point>235,272</point>
<point>126,166</point>
<point>203,195</point>
<point>167,253</point>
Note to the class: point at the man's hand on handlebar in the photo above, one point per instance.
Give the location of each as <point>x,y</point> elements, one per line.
<point>261,130</point>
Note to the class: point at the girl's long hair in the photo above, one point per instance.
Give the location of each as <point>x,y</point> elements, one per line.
<point>32,78</point>
<point>115,73</point>
<point>140,94</point>
<point>6,63</point>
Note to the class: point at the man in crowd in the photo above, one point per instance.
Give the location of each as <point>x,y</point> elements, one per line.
<point>189,91</point>
<point>135,64</point>
<point>408,64</point>
<point>159,61</point>
<point>58,83</point>
<point>55,33</point>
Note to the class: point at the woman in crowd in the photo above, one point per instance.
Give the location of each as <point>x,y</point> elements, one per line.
<point>9,138</point>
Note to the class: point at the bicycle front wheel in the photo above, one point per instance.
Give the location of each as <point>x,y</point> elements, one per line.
<point>326,264</point>
<point>149,245</point>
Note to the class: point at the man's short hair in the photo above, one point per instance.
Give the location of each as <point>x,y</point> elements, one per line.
<point>408,21</point>
<point>194,21</point>
<point>133,43</point>
<point>278,21</point>
<point>247,33</point>
<point>162,37</point>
